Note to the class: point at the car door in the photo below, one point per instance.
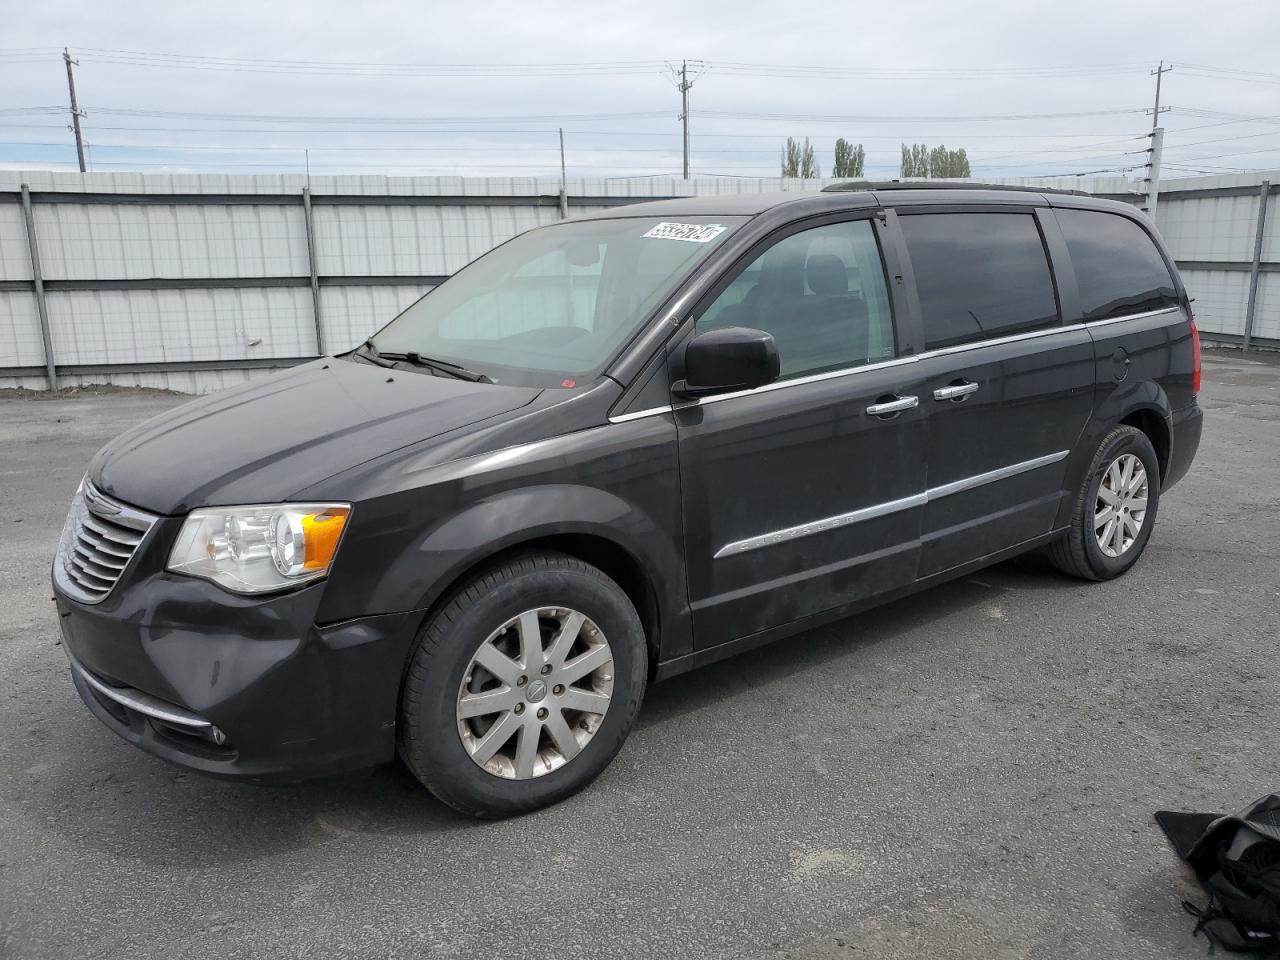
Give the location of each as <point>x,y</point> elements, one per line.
<point>1009,388</point>
<point>803,495</point>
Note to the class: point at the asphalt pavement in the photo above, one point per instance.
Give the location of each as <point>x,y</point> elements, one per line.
<point>968,773</point>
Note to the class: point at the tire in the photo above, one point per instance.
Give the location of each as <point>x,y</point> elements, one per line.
<point>436,740</point>
<point>1079,552</point>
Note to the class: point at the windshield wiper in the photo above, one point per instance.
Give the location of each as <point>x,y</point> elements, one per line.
<point>418,360</point>
<point>367,351</point>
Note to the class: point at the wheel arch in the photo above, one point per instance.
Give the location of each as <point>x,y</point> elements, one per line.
<point>587,523</point>
<point>1141,405</point>
<point>1152,421</point>
<point>617,562</point>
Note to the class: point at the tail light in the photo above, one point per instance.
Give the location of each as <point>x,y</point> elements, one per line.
<point>1195,358</point>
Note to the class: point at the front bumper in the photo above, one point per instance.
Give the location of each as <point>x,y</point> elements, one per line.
<point>238,686</point>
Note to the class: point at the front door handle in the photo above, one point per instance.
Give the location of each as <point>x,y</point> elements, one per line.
<point>896,405</point>
<point>955,391</point>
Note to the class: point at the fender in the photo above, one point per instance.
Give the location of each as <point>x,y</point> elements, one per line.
<point>1123,400</point>
<point>431,564</point>
<point>413,539</point>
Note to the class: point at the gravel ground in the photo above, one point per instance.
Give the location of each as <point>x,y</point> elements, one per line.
<point>967,773</point>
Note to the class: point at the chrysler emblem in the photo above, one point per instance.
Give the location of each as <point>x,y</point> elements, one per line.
<point>98,504</point>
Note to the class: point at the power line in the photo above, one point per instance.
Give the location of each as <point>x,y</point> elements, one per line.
<point>238,148</point>
<point>1068,150</point>
<point>1245,136</point>
<point>1226,115</point>
<point>864,118</point>
<point>550,131</point>
<point>622,67</point>
<point>291,125</point>
<point>372,69</point>
<point>357,121</point>
<point>1228,73</point>
<point>550,148</point>
<point>924,73</point>
<point>298,165</point>
<point>1238,153</point>
<point>188,61</point>
<point>617,67</point>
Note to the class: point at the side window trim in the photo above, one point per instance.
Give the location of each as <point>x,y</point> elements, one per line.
<point>876,217</point>
<point>779,385</point>
<point>907,322</point>
<point>1060,268</point>
<point>867,368</point>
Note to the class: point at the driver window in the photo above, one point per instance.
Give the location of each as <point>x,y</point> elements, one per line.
<point>821,293</point>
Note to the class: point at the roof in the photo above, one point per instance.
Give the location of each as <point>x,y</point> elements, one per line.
<point>731,204</point>
<point>855,194</point>
<point>850,186</point>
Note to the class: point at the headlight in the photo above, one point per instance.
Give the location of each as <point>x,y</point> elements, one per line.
<point>262,548</point>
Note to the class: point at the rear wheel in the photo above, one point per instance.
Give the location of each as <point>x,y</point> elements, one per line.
<point>523,686</point>
<point>1115,509</point>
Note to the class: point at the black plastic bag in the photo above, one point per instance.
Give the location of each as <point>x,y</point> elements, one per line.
<point>1237,860</point>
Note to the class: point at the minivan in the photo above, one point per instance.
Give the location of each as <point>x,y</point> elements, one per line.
<point>616,448</point>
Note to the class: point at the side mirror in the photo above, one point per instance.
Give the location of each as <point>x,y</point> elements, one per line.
<point>730,358</point>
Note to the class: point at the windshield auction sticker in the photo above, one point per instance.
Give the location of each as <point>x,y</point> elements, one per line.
<point>692,232</point>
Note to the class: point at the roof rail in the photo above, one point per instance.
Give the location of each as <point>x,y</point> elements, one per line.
<point>850,186</point>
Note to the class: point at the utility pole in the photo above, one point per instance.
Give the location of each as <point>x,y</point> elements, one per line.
<point>1158,73</point>
<point>1153,170</point>
<point>564,194</point>
<point>684,111</point>
<point>1157,144</point>
<point>684,83</point>
<point>1251,307</point>
<point>75,110</point>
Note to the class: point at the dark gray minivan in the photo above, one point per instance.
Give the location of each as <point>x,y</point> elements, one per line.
<point>616,448</point>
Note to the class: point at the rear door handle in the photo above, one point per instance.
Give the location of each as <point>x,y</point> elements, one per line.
<point>896,405</point>
<point>955,391</point>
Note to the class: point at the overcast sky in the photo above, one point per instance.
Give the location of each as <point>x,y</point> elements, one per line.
<point>901,71</point>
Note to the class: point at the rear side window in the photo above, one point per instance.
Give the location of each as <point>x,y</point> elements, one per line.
<point>1118,268</point>
<point>979,275</point>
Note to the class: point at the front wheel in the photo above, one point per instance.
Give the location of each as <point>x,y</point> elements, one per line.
<point>1114,511</point>
<point>523,686</point>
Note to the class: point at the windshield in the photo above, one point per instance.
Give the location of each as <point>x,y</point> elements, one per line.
<point>554,303</point>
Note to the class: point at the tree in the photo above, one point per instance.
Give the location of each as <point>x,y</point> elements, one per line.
<point>915,161</point>
<point>850,160</point>
<point>948,163</point>
<point>797,160</point>
<point>919,162</point>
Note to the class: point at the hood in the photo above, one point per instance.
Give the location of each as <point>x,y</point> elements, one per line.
<point>262,442</point>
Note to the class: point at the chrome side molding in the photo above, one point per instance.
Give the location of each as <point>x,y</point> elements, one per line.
<point>821,526</point>
<point>991,476</point>
<point>143,703</point>
<point>776,537</point>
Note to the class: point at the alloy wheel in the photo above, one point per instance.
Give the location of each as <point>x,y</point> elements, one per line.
<point>535,693</point>
<point>1121,505</point>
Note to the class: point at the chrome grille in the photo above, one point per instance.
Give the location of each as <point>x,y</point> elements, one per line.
<point>98,541</point>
